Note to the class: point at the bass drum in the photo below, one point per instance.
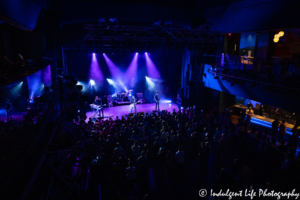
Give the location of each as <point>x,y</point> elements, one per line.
<point>125,98</point>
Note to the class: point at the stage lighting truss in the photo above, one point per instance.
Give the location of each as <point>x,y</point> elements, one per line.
<point>137,34</point>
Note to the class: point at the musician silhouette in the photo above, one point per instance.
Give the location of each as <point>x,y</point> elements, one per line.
<point>156,98</point>
<point>98,102</point>
<point>132,104</point>
<point>8,108</point>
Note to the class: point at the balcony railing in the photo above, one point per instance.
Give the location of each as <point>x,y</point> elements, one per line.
<point>276,67</point>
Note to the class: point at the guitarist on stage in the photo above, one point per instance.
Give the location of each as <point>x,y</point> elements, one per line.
<point>8,108</point>
<point>99,103</point>
<point>133,104</point>
<point>156,98</point>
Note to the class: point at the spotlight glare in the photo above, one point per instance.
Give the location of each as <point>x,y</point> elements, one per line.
<point>112,82</point>
<point>150,83</point>
<point>92,82</point>
<point>94,54</point>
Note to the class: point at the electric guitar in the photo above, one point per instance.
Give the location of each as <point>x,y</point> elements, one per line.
<point>132,104</point>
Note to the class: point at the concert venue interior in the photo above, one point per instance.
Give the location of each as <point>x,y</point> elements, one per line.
<point>161,99</point>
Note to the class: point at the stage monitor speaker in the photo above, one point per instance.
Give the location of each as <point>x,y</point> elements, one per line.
<point>141,113</point>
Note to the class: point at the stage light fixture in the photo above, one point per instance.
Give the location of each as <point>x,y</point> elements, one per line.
<point>276,40</point>
<point>92,82</point>
<point>94,54</point>
<point>276,36</point>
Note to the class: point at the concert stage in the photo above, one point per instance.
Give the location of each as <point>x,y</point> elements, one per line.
<point>125,109</point>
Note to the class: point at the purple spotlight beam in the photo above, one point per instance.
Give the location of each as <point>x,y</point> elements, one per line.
<point>35,84</point>
<point>132,70</point>
<point>114,70</point>
<point>47,76</point>
<point>151,68</point>
<point>95,71</point>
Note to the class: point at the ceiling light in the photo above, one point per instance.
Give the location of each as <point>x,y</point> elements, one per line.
<point>281,33</point>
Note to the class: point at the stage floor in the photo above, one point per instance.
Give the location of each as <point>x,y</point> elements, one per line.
<point>17,116</point>
<point>120,111</point>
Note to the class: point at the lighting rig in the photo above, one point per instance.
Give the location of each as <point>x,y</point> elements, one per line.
<point>148,37</point>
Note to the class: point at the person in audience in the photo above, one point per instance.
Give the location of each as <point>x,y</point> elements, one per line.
<point>118,151</point>
<point>282,130</point>
<point>134,151</point>
<point>249,116</point>
<point>179,156</point>
<point>130,173</point>
<point>275,125</point>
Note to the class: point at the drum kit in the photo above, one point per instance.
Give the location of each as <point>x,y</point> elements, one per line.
<point>123,96</point>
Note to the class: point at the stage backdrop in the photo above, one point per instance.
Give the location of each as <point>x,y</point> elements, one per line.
<point>105,74</point>
<point>28,87</point>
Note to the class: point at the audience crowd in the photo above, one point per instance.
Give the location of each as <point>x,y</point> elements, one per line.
<point>157,156</point>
